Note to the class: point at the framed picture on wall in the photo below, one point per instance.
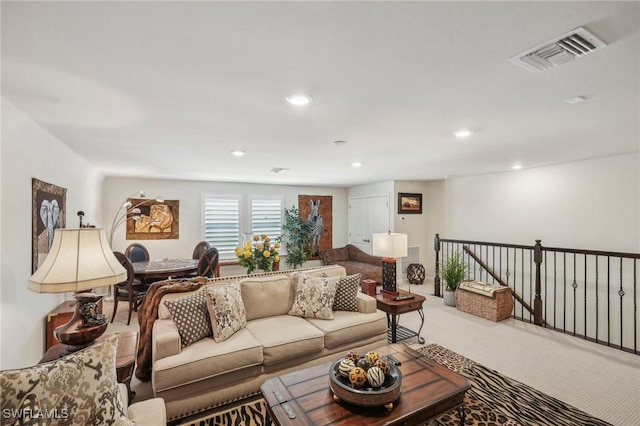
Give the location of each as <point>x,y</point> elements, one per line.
<point>155,220</point>
<point>48,205</point>
<point>409,203</point>
<point>317,210</point>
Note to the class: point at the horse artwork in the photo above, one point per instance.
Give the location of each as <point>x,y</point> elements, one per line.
<point>315,223</point>
<point>317,210</point>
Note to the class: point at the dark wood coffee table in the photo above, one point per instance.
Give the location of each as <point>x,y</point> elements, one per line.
<point>303,398</point>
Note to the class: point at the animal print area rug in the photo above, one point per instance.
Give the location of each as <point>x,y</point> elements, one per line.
<point>494,399</point>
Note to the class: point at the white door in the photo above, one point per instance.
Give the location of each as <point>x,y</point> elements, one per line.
<point>367,215</point>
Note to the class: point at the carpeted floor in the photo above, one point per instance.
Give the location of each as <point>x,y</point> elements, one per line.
<point>494,399</point>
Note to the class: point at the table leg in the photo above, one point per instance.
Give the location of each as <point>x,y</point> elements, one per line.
<point>394,328</point>
<point>461,414</point>
<point>421,339</point>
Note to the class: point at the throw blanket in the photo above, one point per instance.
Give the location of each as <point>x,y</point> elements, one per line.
<point>148,312</point>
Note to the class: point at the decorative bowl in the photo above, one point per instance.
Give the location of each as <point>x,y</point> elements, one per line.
<point>366,396</point>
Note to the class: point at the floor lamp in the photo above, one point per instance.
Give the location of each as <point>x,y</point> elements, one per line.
<point>390,246</point>
<point>79,260</point>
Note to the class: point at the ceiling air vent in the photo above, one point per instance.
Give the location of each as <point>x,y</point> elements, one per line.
<point>561,50</point>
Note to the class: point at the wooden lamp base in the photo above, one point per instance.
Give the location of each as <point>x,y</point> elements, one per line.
<point>85,326</point>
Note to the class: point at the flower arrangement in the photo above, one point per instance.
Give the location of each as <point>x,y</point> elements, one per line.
<point>258,254</point>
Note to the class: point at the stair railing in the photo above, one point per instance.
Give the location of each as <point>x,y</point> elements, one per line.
<point>586,293</point>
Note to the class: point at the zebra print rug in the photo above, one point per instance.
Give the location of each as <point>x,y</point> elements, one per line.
<point>494,399</point>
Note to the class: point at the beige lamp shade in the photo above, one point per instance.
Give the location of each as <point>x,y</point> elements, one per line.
<point>79,260</point>
<point>390,244</point>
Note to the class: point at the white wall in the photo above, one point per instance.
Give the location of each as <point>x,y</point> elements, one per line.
<point>592,204</point>
<point>29,151</point>
<point>189,193</point>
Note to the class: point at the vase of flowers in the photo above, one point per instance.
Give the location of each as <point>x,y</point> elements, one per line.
<point>258,253</point>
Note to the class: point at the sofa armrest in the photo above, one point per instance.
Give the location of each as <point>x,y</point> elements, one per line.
<point>165,339</point>
<point>150,412</point>
<point>357,255</point>
<point>366,303</point>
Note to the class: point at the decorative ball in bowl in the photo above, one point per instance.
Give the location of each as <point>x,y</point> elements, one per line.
<point>368,380</point>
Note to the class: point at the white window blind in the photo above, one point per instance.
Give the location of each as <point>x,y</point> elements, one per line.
<point>222,222</point>
<point>266,215</point>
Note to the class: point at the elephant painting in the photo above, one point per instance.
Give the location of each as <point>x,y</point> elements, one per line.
<point>49,206</point>
<point>50,216</point>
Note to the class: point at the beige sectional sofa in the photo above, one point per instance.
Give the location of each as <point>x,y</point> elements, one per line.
<point>207,373</point>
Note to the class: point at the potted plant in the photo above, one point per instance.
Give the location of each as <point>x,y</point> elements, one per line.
<point>452,272</point>
<point>296,235</point>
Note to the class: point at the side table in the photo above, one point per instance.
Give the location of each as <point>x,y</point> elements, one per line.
<point>395,308</point>
<point>125,357</point>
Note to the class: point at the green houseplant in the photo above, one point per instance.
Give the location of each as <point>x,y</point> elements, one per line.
<point>452,271</point>
<point>296,236</point>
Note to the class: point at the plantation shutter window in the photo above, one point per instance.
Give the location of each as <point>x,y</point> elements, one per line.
<point>221,215</point>
<point>266,216</point>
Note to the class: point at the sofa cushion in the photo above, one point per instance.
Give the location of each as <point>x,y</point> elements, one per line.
<point>346,293</point>
<point>205,359</point>
<point>285,337</point>
<point>191,316</point>
<point>81,388</point>
<point>314,297</point>
<point>226,310</point>
<point>349,327</point>
<point>266,296</point>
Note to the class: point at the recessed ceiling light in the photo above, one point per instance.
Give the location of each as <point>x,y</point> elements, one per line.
<point>278,169</point>
<point>356,164</point>
<point>576,100</point>
<point>339,143</point>
<point>299,99</point>
<point>516,166</point>
<point>462,133</point>
<point>237,153</point>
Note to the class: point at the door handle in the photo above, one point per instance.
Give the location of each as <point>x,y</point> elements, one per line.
<point>366,240</point>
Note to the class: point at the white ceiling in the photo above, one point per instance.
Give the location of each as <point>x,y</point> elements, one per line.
<point>168,89</point>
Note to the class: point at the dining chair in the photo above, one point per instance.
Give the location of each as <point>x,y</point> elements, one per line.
<point>136,252</point>
<point>126,290</point>
<point>200,248</point>
<point>208,263</point>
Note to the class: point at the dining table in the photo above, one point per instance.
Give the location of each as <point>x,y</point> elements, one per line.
<point>164,268</point>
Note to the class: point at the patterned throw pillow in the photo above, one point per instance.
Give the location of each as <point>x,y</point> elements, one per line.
<point>347,293</point>
<point>314,297</point>
<point>191,316</point>
<point>78,389</point>
<point>226,310</point>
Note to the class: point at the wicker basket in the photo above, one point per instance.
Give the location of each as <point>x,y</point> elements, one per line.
<point>494,307</point>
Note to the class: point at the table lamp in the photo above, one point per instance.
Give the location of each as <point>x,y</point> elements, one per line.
<point>390,246</point>
<point>79,260</point>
